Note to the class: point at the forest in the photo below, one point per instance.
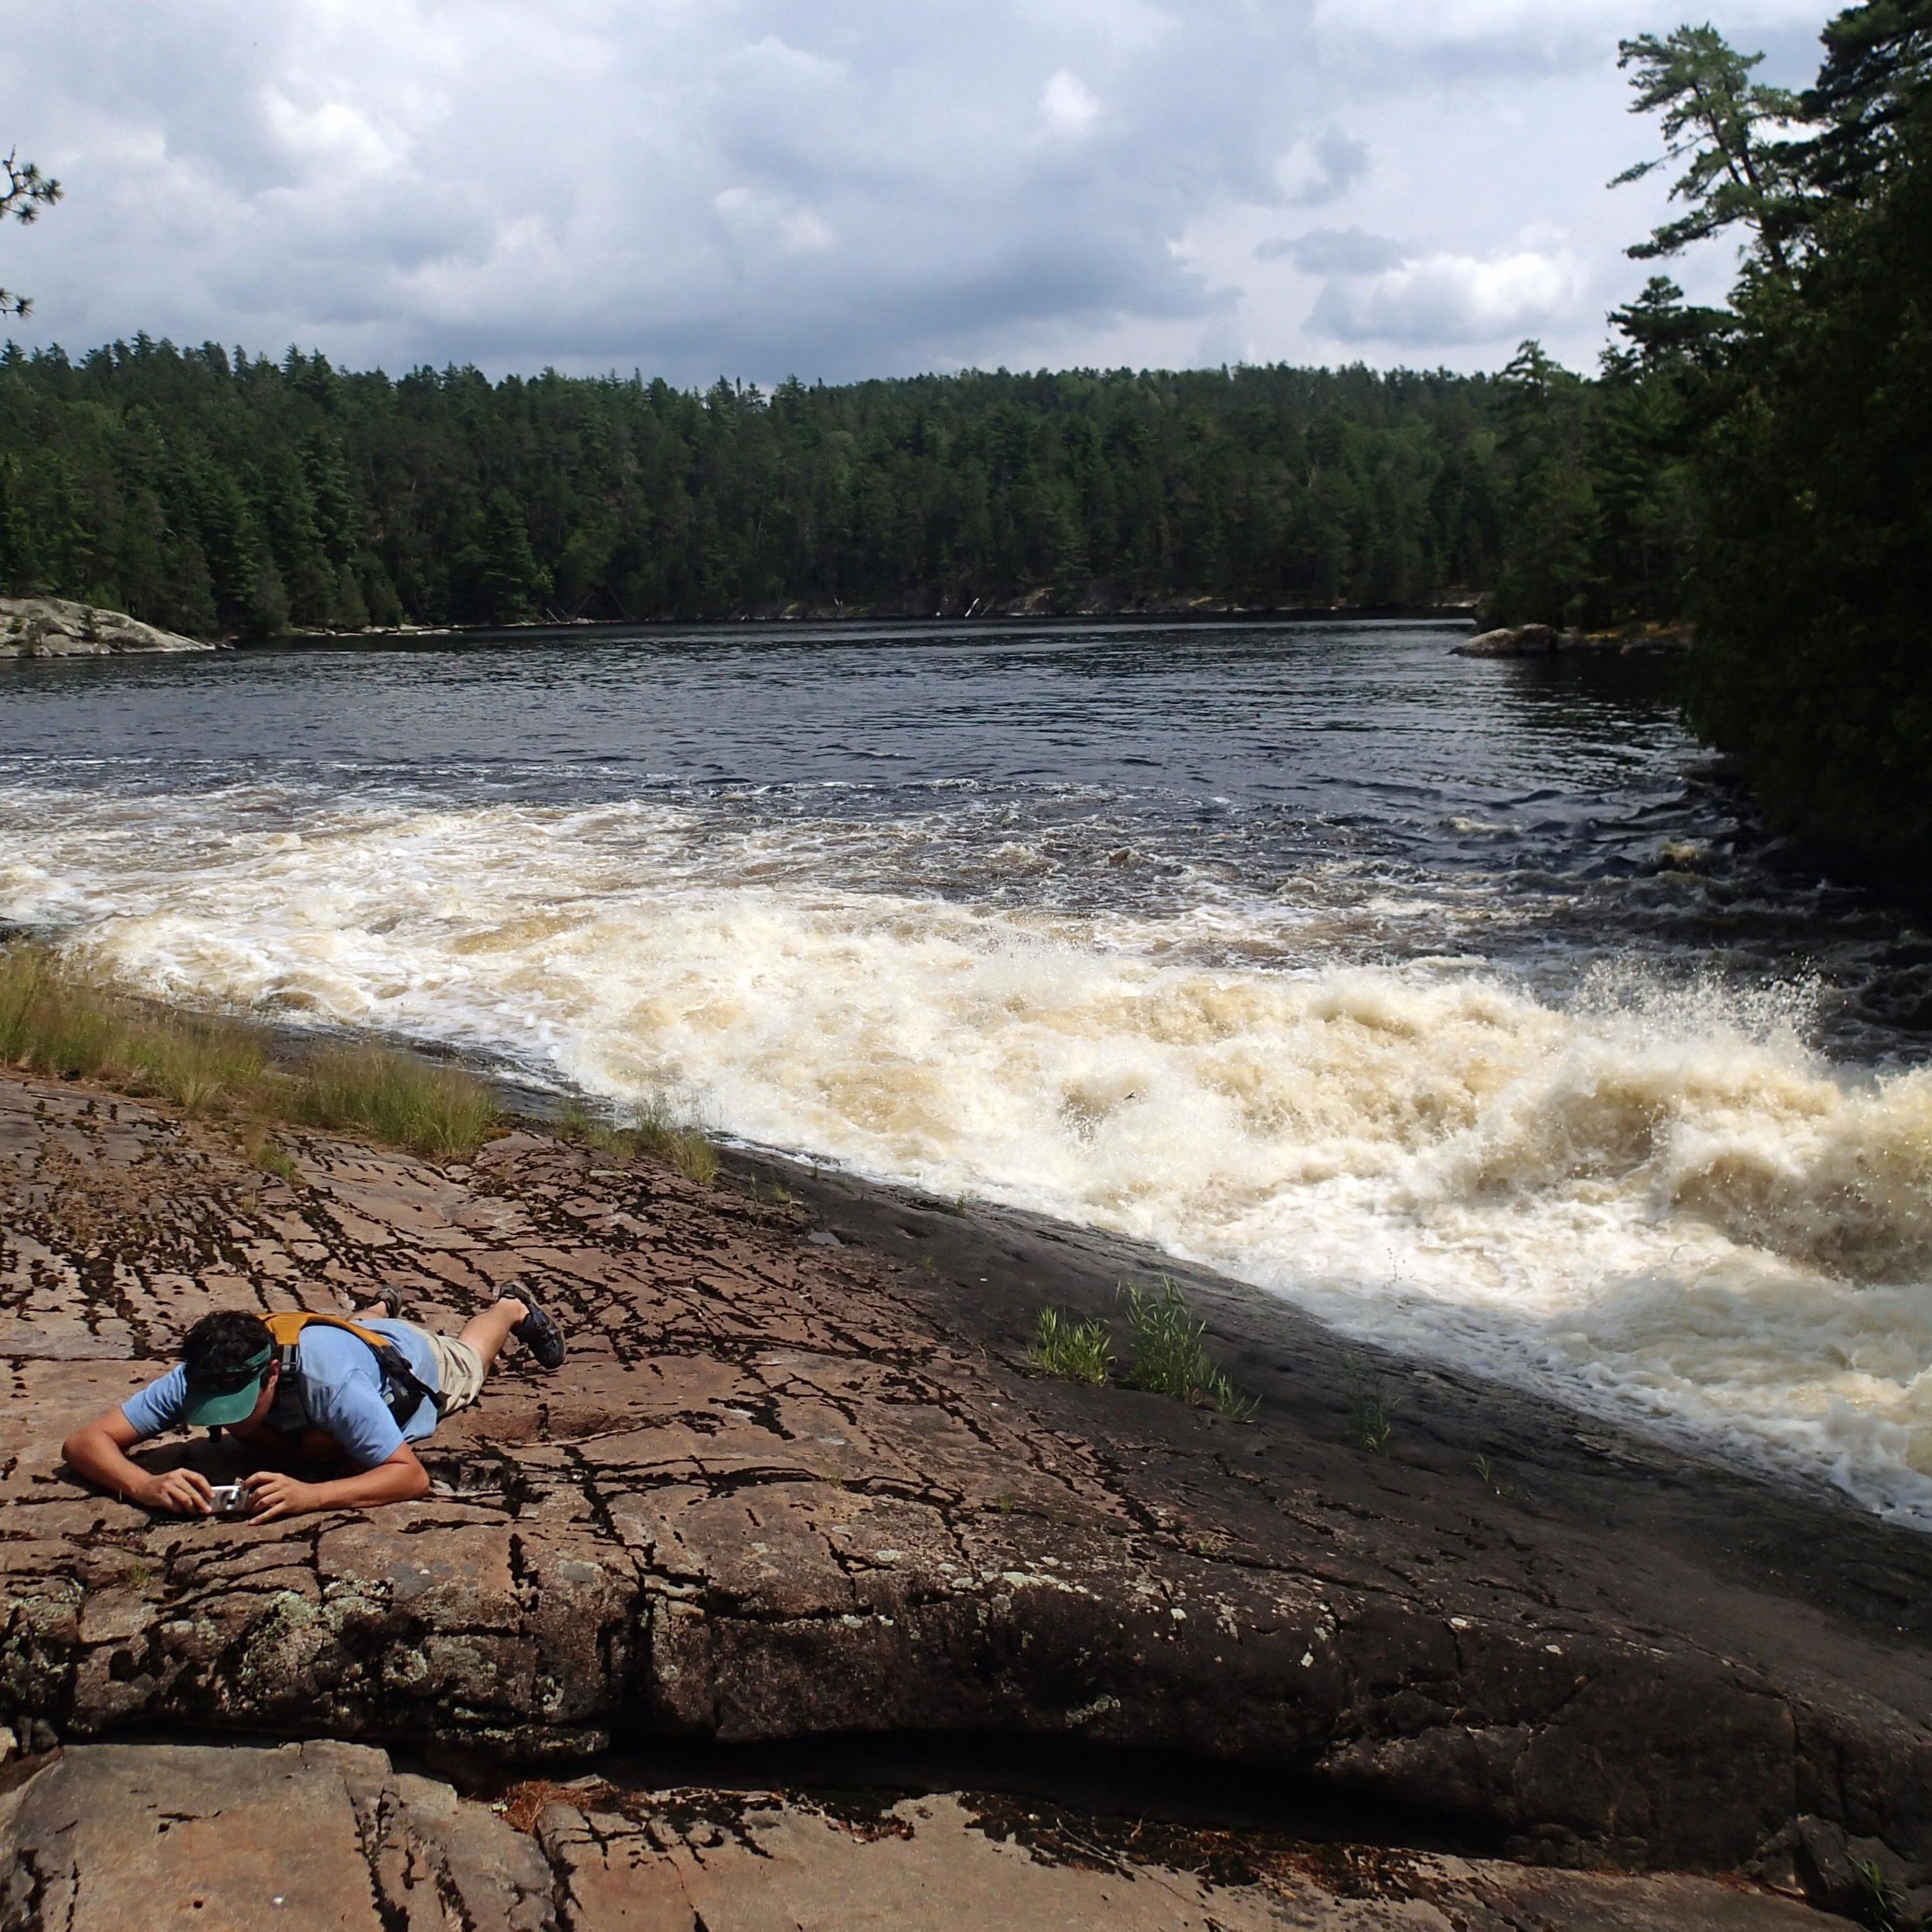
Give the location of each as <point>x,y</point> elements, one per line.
<point>1794,423</point>
<point>216,493</point>
<point>1759,469</point>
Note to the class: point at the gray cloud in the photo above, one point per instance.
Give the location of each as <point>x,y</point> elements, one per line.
<point>769,186</point>
<point>1335,251</point>
<point>1334,164</point>
<point>775,185</point>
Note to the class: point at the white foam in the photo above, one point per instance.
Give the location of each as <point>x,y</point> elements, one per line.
<point>1657,1201</point>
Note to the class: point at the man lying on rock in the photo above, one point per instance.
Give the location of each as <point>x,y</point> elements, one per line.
<point>302,1393</point>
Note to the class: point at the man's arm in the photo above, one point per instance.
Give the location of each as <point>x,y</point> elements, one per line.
<point>99,1453</point>
<point>273,1494</point>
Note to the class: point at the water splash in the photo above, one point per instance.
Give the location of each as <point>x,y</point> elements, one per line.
<point>1655,1199</point>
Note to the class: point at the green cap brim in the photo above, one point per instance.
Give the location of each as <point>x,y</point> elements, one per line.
<point>212,1410</point>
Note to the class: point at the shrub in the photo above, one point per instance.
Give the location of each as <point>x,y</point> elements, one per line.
<point>1071,1351</point>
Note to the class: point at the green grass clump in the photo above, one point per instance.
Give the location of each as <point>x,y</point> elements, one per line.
<point>57,1020</point>
<point>1071,1351</point>
<point>1882,1900</point>
<point>439,1112</point>
<point>1371,1416</point>
<point>657,1129</point>
<point>1168,1357</point>
<point>654,1127</point>
<point>202,1066</point>
<point>270,1155</point>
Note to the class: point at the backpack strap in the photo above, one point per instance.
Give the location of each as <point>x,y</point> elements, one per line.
<point>404,1390</point>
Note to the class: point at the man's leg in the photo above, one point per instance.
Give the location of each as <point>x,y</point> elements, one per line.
<point>486,1333</point>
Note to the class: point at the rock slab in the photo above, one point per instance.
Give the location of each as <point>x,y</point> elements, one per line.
<point>1545,641</point>
<point>781,1492</point>
<point>56,627</point>
<point>331,1837</point>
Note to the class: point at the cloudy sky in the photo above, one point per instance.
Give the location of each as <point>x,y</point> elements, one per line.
<point>844,187</point>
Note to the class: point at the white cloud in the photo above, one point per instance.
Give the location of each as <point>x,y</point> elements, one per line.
<point>333,134</point>
<point>1448,299</point>
<point>773,220</point>
<point>1522,33</point>
<point>1070,106</point>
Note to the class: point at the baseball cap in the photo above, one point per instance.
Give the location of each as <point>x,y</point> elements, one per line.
<point>229,1398</point>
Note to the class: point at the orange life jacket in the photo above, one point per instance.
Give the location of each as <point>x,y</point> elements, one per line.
<point>404,1390</point>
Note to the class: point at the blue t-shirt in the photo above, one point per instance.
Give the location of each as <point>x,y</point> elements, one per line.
<point>341,1386</point>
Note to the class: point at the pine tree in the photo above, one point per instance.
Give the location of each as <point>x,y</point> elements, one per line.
<point>508,586</point>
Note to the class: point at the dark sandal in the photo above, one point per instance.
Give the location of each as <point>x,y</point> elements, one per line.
<point>538,1333</point>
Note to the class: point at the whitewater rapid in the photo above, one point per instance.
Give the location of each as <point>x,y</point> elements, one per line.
<point>1650,1198</point>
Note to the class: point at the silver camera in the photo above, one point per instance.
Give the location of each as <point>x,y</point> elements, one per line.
<point>230,1499</point>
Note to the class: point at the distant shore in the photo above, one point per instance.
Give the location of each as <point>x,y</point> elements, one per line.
<point>817,618</point>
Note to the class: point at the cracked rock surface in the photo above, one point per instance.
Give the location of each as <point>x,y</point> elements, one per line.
<point>330,1835</point>
<point>785,1487</point>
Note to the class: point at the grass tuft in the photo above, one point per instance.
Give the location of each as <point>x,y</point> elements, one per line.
<point>1071,1351</point>
<point>1493,1479</point>
<point>270,1156</point>
<point>1882,1901</point>
<point>439,1112</point>
<point>1168,1356</point>
<point>655,1127</point>
<point>1372,1414</point>
<point>57,1021</point>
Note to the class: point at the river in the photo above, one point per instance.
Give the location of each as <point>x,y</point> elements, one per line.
<point>1452,999</point>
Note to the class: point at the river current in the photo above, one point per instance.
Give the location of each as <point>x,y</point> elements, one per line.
<point>1453,1000</point>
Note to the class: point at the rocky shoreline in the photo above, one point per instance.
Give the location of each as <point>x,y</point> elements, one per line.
<point>56,628</point>
<point>795,1487</point>
<point>1545,641</point>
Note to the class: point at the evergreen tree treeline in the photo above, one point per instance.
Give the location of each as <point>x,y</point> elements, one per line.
<point>1797,422</point>
<point>216,493</point>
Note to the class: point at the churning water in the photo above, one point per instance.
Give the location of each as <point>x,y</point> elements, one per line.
<point>1446,998</point>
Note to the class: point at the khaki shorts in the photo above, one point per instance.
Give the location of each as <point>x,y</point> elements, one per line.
<point>459,1368</point>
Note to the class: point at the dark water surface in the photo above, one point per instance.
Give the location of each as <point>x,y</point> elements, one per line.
<point>1539,814</point>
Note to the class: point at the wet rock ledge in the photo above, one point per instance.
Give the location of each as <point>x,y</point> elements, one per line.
<point>792,1485</point>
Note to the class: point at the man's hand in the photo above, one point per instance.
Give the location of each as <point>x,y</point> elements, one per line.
<point>272,1495</point>
<point>183,1492</point>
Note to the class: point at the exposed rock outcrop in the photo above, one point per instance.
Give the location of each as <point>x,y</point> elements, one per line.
<point>786,1488</point>
<point>54,628</point>
<point>108,1838</point>
<point>1525,641</point>
<point>1544,640</point>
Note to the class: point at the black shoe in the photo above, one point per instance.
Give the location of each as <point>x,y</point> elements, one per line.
<point>391,1297</point>
<point>538,1333</point>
